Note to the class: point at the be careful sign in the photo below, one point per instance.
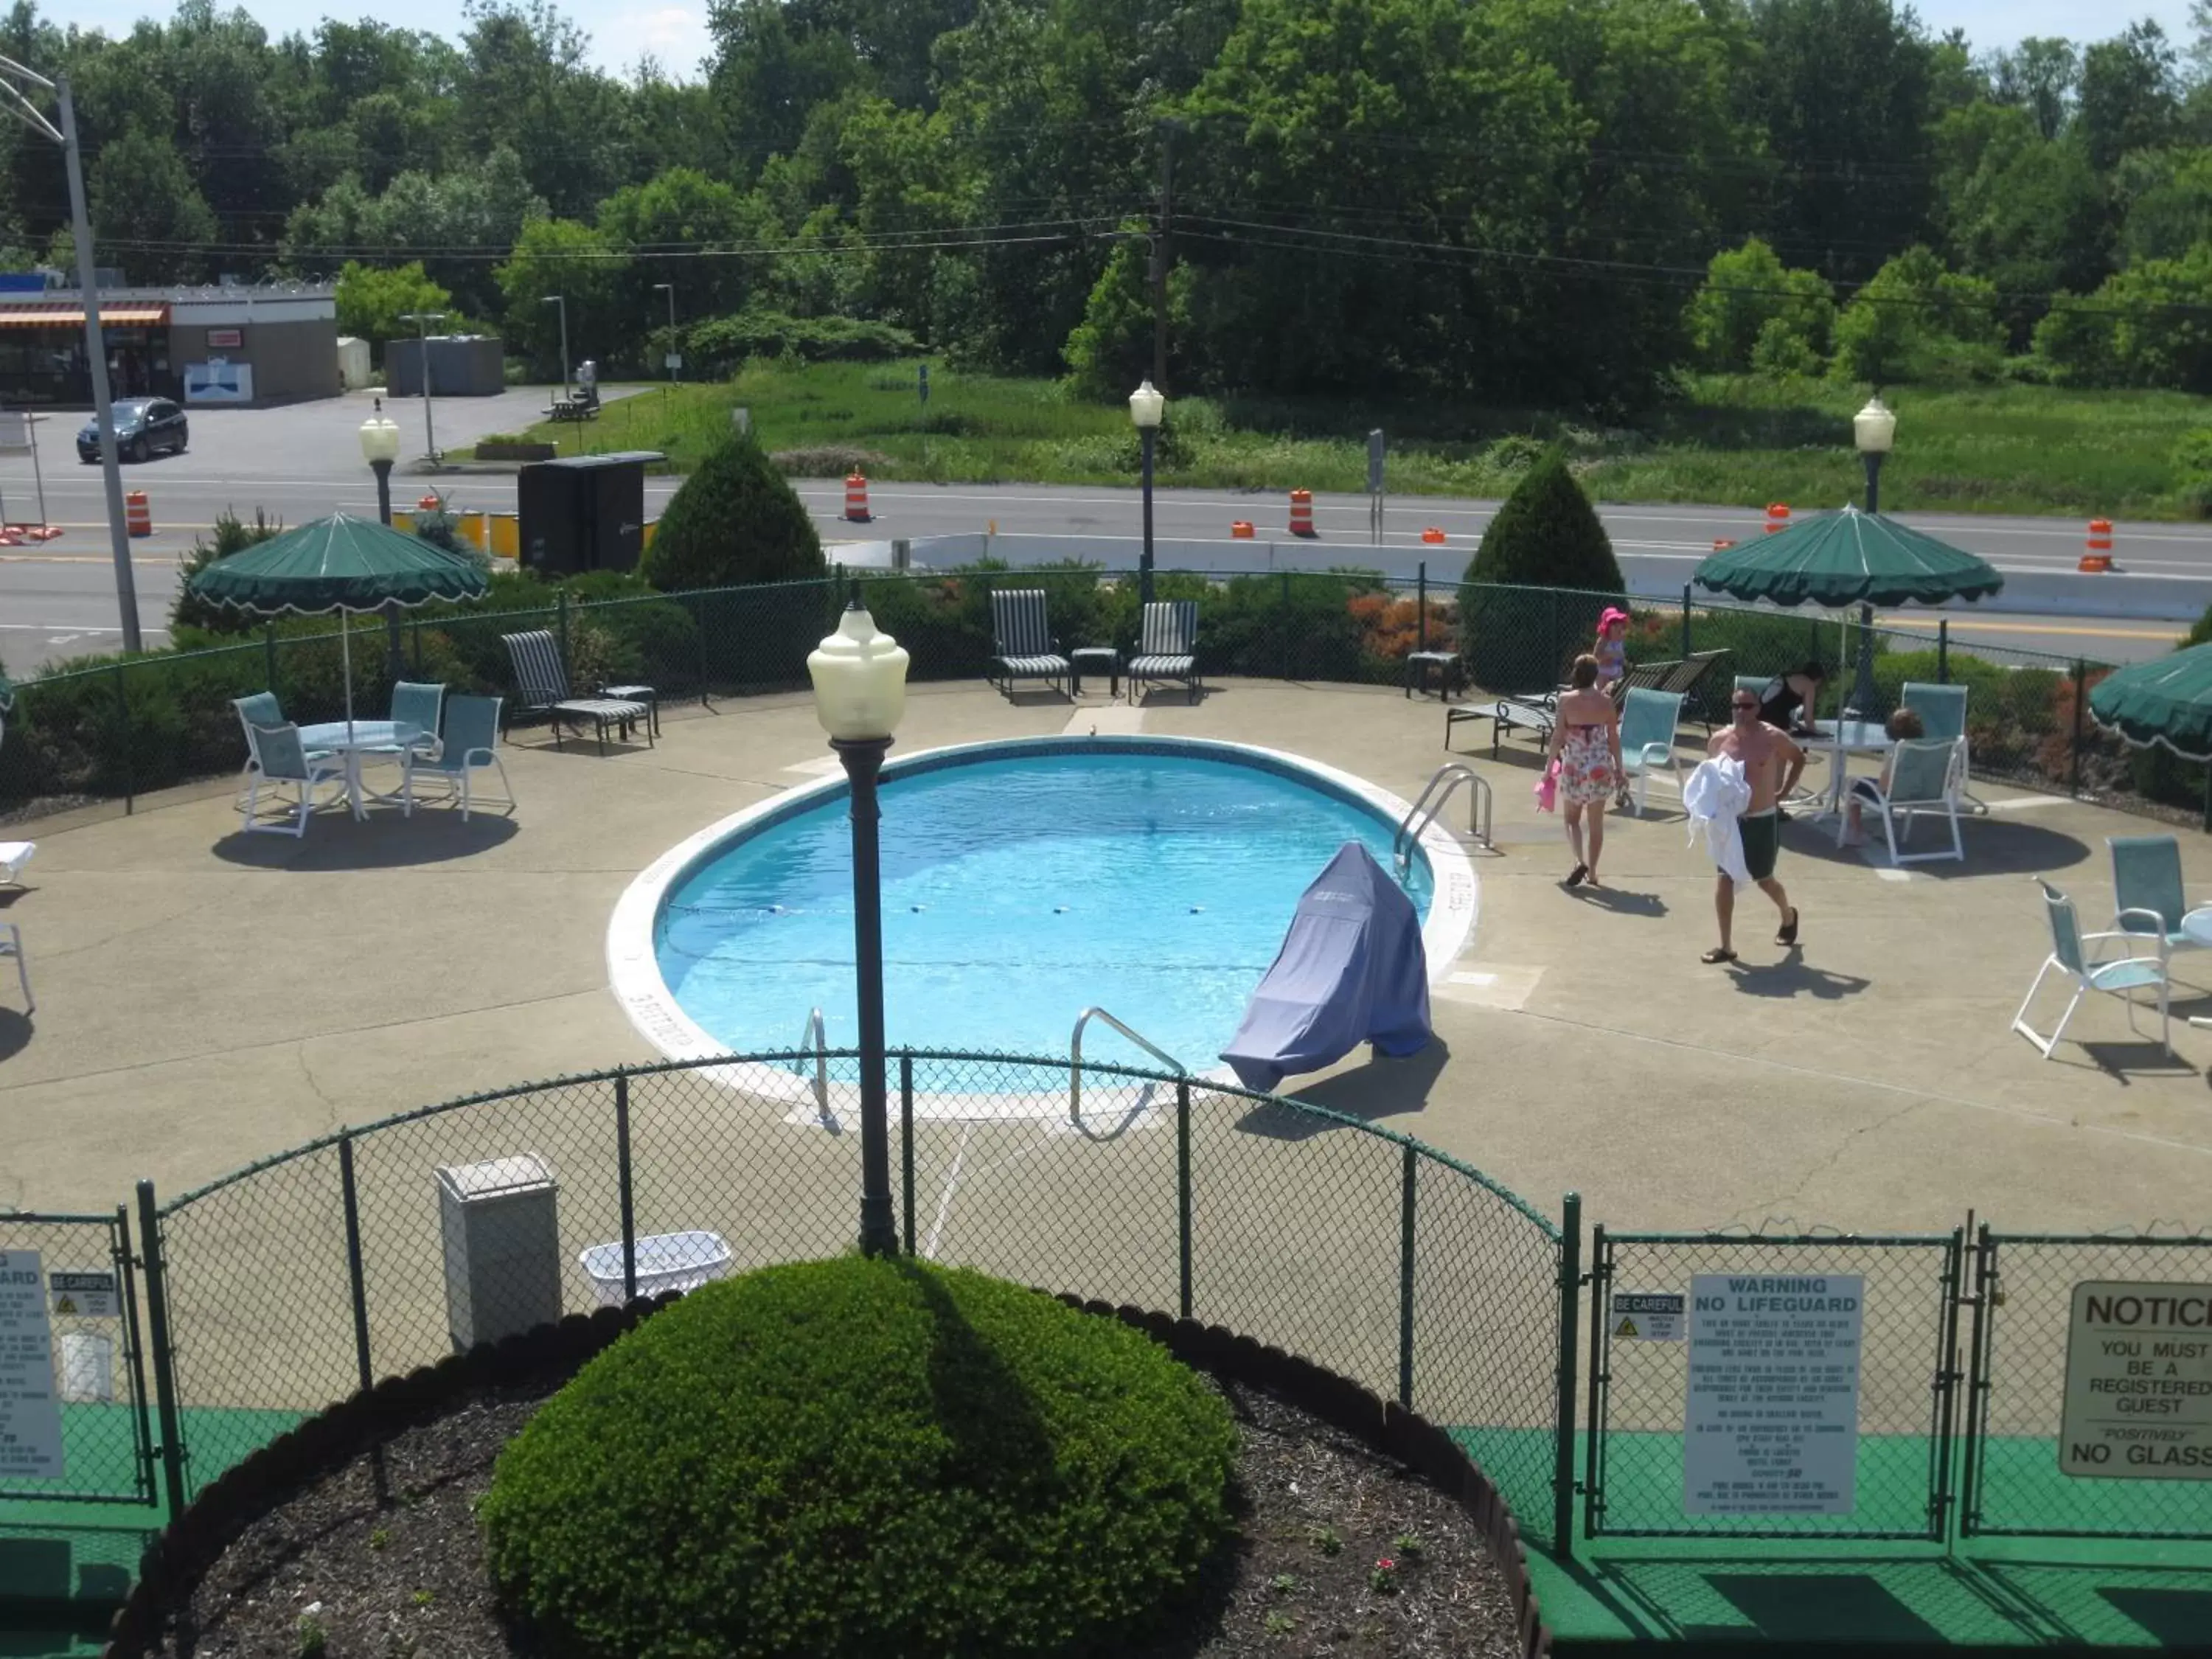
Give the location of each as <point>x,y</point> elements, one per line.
<point>83,1295</point>
<point>1646,1315</point>
<point>2139,1383</point>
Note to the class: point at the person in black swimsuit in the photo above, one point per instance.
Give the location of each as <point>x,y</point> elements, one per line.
<point>1788,700</point>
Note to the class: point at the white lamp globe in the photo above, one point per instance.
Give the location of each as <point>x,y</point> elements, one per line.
<point>1875,428</point>
<point>379,439</point>
<point>860,678</point>
<point>1147,404</point>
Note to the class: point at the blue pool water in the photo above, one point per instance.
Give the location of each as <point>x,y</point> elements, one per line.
<point>1017,893</point>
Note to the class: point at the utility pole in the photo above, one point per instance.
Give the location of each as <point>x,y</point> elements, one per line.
<point>1160,272</point>
<point>14,77</point>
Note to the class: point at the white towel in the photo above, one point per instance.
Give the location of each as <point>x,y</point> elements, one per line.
<point>1714,796</point>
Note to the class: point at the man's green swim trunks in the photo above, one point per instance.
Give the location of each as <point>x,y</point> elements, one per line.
<point>1762,840</point>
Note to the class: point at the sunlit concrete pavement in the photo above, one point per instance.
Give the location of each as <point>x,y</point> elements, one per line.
<point>206,1000</point>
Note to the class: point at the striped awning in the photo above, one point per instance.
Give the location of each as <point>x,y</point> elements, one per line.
<point>65,315</point>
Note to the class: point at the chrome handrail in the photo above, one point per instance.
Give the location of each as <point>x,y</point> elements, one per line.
<point>817,1038</point>
<point>1451,777</point>
<point>1075,1057</point>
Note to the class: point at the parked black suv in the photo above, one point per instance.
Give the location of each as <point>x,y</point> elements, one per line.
<point>144,427</point>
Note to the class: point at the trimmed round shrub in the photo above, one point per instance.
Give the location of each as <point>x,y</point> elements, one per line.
<point>1546,535</point>
<point>862,1457</point>
<point>734,520</point>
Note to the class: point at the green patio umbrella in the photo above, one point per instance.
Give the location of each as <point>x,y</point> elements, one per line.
<point>1847,558</point>
<point>2166,701</point>
<point>343,564</point>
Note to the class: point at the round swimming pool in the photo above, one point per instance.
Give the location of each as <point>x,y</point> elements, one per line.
<point>1022,882</point>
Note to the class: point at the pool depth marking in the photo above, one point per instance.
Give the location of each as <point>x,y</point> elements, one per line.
<point>634,966</point>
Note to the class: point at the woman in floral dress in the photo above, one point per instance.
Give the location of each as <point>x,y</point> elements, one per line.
<point>1586,742</point>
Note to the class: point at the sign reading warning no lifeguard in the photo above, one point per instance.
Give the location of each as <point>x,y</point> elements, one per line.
<point>2139,1383</point>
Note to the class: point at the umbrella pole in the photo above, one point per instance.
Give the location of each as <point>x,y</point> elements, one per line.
<point>345,654</point>
<point>1863,690</point>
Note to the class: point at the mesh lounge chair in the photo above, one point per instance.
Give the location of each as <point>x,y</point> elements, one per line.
<point>2148,899</point>
<point>1167,649</point>
<point>1648,719</point>
<point>1925,774</point>
<point>542,688</point>
<point>471,744</point>
<point>279,758</point>
<point>1022,647</point>
<point>1942,711</point>
<point>2120,978</point>
<point>262,708</point>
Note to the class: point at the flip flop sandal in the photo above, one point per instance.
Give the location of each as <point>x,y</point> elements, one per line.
<point>1788,933</point>
<point>1717,955</point>
<point>1575,876</point>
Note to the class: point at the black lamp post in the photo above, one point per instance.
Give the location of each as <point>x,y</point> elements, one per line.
<point>859,692</point>
<point>1146,405</point>
<point>380,446</point>
<point>1874,429</point>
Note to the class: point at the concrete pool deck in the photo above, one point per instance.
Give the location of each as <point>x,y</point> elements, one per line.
<point>206,1000</point>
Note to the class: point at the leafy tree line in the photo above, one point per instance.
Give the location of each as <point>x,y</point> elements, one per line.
<point>1540,200</point>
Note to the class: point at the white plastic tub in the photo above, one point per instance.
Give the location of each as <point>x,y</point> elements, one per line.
<point>666,1261</point>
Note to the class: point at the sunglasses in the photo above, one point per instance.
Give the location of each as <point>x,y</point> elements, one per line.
<point>1747,704</point>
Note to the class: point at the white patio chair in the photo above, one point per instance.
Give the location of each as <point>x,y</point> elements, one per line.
<point>470,744</point>
<point>13,856</point>
<point>1925,777</point>
<point>1648,720</point>
<point>11,944</point>
<point>280,758</point>
<point>2120,977</point>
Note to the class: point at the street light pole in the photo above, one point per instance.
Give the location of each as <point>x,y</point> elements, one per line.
<point>422,319</point>
<point>674,361</point>
<point>1874,429</point>
<point>14,76</point>
<point>1147,406</point>
<point>859,692</point>
<point>380,446</point>
<point>562,300</point>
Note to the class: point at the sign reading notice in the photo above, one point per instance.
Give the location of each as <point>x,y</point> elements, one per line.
<point>83,1295</point>
<point>30,1419</point>
<point>1771,1426</point>
<point>1647,1316</point>
<point>2138,1383</point>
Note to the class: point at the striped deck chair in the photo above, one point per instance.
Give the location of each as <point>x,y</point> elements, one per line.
<point>1022,647</point>
<point>1167,650</point>
<point>542,688</point>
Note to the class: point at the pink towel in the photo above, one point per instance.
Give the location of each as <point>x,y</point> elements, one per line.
<point>1547,789</point>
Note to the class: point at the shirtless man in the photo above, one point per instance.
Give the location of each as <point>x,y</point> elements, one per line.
<point>1766,754</point>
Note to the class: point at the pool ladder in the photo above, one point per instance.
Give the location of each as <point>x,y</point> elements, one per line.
<point>815,1039</point>
<point>1435,796</point>
<point>1075,1057</point>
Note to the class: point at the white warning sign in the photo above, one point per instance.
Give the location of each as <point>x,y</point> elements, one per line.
<point>1646,1315</point>
<point>2138,1383</point>
<point>30,1417</point>
<point>1771,1424</point>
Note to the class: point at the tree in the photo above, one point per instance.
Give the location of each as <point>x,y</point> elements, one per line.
<point>1750,299</point>
<point>144,200</point>
<point>736,520</point>
<point>2166,204</point>
<point>2026,211</point>
<point>1546,535</point>
<point>1915,321</point>
<point>2038,76</point>
<point>2131,95</point>
<point>2149,325</point>
<point>372,300</point>
<point>559,257</point>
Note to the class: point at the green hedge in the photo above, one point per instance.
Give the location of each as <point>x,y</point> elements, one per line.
<point>838,1459</point>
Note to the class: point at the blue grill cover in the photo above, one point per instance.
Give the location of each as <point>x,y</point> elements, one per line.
<point>1352,971</point>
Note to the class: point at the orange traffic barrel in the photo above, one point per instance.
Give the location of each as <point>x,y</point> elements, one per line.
<point>2099,553</point>
<point>856,498</point>
<point>1302,522</point>
<point>1241,530</point>
<point>1722,543</point>
<point>137,517</point>
<point>428,504</point>
<point>1432,535</point>
<point>1778,517</point>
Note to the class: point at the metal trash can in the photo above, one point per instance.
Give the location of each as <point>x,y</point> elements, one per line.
<point>503,1235</point>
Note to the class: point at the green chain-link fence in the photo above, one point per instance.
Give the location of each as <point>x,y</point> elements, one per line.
<point>288,1285</point>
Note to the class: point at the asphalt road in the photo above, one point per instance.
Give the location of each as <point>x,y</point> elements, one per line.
<point>56,599</point>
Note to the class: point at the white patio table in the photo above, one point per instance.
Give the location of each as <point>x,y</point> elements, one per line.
<point>354,739</point>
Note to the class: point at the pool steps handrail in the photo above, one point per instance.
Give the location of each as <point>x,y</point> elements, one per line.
<point>815,1039</point>
<point>1075,1057</point>
<point>1423,810</point>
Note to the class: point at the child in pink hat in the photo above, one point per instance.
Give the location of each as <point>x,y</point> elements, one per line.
<point>1612,654</point>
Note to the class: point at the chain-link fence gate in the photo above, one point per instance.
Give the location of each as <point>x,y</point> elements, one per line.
<point>83,1271</point>
<point>2090,1401</point>
<point>1639,1474</point>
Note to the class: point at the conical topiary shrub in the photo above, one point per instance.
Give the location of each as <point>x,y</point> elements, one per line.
<point>736,520</point>
<point>1546,536</point>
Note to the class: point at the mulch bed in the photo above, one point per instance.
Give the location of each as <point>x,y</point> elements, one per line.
<point>387,1563</point>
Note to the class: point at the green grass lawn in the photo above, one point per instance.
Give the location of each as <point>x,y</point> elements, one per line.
<point>1725,441</point>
